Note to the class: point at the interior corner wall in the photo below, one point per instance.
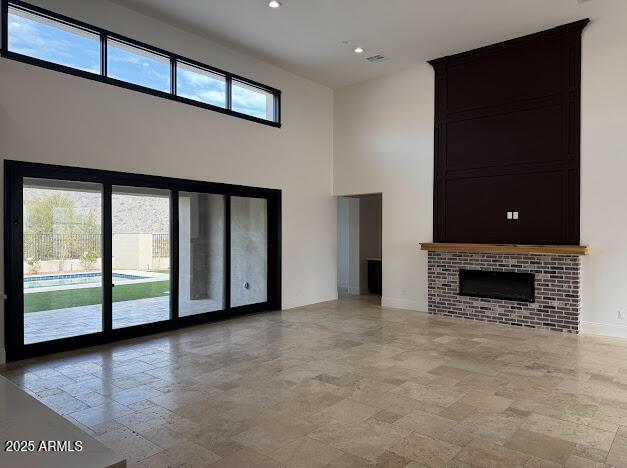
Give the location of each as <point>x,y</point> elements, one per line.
<point>55,118</point>
<point>383,142</point>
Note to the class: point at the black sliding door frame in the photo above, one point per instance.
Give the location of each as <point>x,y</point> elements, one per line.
<point>16,171</point>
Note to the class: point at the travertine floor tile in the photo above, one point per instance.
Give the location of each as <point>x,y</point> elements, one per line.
<point>307,453</point>
<point>349,412</point>
<point>346,384</point>
<point>541,445</point>
<point>186,454</point>
<point>424,450</point>
<point>483,453</point>
<point>618,451</point>
<point>246,458</point>
<point>426,424</point>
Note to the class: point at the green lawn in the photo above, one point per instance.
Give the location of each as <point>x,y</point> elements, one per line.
<point>37,302</point>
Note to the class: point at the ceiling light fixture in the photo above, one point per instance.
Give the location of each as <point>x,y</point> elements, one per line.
<point>359,50</point>
<point>274,4</point>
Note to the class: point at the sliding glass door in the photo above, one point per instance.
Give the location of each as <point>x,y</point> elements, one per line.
<point>62,236</point>
<point>201,253</point>
<point>249,251</point>
<point>140,255</point>
<point>95,256</point>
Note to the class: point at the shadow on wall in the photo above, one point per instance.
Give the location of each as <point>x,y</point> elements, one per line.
<point>359,239</point>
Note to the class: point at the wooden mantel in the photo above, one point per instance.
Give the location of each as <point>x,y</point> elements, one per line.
<point>507,248</point>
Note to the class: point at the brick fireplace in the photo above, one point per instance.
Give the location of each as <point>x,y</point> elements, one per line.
<point>556,305</point>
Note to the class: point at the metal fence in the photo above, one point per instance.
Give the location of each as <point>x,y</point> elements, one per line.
<point>61,246</point>
<point>160,245</point>
<point>44,247</point>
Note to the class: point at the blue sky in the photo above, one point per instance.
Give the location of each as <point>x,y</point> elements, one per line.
<point>39,40</point>
<point>81,50</point>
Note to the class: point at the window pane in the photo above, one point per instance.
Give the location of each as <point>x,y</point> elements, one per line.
<point>249,250</point>
<point>200,85</point>
<point>252,101</point>
<point>141,255</point>
<point>201,253</point>
<point>62,259</point>
<point>138,66</point>
<point>46,39</point>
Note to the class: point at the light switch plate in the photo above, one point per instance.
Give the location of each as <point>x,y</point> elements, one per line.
<point>515,214</point>
<point>510,215</point>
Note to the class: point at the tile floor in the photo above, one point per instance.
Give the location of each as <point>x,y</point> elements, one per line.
<point>348,384</point>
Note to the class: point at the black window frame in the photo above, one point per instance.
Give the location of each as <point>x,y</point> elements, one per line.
<point>14,174</point>
<point>103,78</point>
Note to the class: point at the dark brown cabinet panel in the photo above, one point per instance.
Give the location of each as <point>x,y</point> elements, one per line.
<point>522,70</point>
<point>507,123</point>
<point>477,208</point>
<point>501,139</point>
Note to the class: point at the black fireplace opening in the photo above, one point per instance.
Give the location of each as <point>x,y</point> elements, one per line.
<point>506,285</point>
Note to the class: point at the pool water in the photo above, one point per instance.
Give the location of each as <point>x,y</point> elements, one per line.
<point>46,281</point>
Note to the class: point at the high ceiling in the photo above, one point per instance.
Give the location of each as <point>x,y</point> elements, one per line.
<point>306,36</point>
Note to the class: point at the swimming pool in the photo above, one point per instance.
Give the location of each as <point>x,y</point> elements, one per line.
<point>70,279</point>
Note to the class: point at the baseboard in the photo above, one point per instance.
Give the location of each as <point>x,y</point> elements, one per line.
<point>394,303</point>
<point>604,329</point>
<point>354,291</point>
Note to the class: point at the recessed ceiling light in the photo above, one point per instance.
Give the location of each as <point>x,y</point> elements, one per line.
<point>359,50</point>
<point>274,4</point>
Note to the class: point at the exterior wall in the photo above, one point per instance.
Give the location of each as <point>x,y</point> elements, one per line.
<point>557,290</point>
<point>132,251</point>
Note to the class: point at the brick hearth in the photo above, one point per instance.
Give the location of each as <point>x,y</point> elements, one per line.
<point>557,289</point>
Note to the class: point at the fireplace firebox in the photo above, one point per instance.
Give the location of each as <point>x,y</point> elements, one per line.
<point>504,285</point>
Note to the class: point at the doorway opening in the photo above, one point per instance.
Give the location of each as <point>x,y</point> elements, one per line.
<point>359,245</point>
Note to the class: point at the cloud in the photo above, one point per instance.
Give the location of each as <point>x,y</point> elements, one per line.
<point>56,45</point>
<point>250,102</point>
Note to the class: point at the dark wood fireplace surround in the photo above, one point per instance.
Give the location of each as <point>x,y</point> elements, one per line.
<point>507,125</point>
<point>506,181</point>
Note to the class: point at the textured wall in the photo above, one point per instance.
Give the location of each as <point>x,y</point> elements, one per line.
<point>557,283</point>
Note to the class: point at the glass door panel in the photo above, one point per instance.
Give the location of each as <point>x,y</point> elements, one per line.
<point>141,255</point>
<point>62,259</point>
<point>201,253</point>
<point>249,251</point>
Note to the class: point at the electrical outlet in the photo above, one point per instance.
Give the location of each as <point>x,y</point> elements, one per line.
<point>620,315</point>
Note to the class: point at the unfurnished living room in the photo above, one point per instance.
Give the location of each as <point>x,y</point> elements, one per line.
<point>313,233</point>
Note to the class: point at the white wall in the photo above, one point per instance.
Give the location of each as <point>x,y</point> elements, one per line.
<point>603,170</point>
<point>384,143</point>
<point>50,117</point>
